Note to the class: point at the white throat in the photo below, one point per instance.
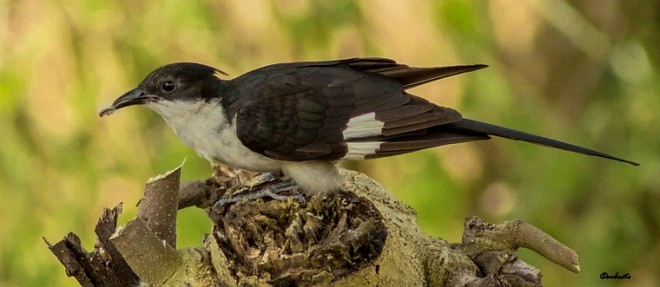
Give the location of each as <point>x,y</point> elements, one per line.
<point>204,127</point>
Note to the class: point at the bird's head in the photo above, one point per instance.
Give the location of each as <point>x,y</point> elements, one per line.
<point>174,82</point>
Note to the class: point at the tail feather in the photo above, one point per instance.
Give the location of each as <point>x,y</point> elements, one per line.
<point>481,127</point>
<point>408,76</point>
<point>412,77</point>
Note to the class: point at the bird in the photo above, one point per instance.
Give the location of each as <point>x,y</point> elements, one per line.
<point>301,118</point>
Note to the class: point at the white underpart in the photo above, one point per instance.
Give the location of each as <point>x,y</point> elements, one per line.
<point>314,176</point>
<point>358,150</point>
<point>204,127</point>
<point>363,126</point>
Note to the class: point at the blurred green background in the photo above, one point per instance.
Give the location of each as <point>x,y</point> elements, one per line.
<point>584,71</point>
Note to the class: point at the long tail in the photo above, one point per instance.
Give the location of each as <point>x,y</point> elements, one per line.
<point>481,127</point>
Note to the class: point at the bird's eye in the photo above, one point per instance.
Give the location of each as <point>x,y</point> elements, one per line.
<point>168,86</point>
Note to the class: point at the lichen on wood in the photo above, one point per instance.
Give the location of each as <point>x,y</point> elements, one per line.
<point>319,240</point>
<point>360,236</point>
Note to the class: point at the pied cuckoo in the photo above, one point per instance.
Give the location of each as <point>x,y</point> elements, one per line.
<point>302,118</point>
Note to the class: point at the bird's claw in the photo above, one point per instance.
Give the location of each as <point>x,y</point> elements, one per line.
<point>271,191</point>
<point>264,178</point>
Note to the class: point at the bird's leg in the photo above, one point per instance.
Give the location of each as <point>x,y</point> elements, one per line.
<point>264,178</point>
<point>273,191</point>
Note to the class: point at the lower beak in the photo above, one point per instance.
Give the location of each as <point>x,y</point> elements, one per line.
<point>133,97</point>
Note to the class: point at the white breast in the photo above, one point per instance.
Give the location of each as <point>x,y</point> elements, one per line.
<point>204,127</point>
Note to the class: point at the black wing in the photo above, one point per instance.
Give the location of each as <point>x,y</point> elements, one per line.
<point>345,109</point>
<point>355,109</point>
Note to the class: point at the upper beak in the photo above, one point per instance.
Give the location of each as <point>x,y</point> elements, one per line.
<point>134,97</point>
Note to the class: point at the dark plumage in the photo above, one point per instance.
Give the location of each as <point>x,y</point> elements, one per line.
<point>282,116</point>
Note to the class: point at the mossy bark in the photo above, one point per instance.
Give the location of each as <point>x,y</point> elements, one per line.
<point>360,236</point>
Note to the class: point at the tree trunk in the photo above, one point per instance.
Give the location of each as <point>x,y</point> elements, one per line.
<point>361,236</point>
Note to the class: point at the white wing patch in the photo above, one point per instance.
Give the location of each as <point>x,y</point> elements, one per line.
<point>358,150</point>
<point>363,126</point>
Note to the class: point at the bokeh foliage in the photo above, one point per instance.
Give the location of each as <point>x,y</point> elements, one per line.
<point>585,71</point>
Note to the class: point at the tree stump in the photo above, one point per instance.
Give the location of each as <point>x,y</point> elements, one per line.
<point>360,236</point>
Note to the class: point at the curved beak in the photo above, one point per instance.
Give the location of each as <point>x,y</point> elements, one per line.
<point>134,97</point>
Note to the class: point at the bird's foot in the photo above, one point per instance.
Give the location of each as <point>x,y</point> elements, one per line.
<point>273,191</point>
<point>264,178</point>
